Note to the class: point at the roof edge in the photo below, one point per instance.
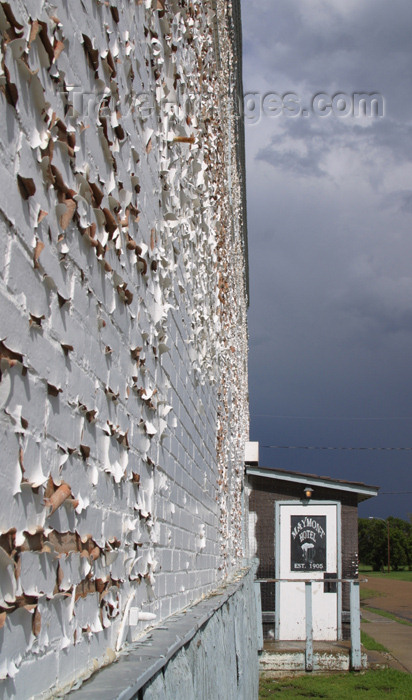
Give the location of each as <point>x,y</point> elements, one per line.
<point>363,490</point>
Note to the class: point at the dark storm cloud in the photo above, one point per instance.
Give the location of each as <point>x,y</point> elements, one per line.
<point>383,301</point>
<point>301,147</point>
<point>330,244</point>
<point>360,46</point>
<point>400,199</point>
<point>292,160</point>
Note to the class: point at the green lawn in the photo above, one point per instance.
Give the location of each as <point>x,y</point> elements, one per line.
<point>366,572</point>
<point>370,644</point>
<point>341,686</point>
<point>385,613</point>
<point>366,593</point>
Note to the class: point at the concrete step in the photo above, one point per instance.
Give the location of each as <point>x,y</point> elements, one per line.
<point>290,656</point>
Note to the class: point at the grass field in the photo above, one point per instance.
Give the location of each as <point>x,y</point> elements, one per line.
<point>369,685</point>
<point>370,644</point>
<point>366,593</point>
<point>385,613</point>
<point>366,572</point>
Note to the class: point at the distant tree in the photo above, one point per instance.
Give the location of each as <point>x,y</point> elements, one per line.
<point>401,541</point>
<point>409,549</point>
<point>373,542</point>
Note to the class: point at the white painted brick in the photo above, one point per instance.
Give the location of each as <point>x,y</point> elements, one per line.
<point>165,608</point>
<point>14,327</point>
<point>25,396</point>
<point>5,242</point>
<point>62,424</point>
<point>46,358</point>
<point>166,559</point>
<point>34,676</point>
<point>159,525</point>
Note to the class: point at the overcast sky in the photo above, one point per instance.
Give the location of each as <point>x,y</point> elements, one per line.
<point>330,239</point>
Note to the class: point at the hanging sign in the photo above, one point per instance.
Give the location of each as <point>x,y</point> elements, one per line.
<point>308,543</point>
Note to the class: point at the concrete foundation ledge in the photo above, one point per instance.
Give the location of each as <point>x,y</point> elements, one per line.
<point>290,656</point>
<point>209,650</point>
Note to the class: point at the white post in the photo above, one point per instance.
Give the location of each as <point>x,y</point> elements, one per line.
<point>355,639</point>
<point>309,627</point>
<point>258,601</point>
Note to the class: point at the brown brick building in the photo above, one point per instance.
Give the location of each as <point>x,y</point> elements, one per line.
<point>271,487</point>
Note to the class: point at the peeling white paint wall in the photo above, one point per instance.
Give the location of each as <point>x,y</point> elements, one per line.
<point>123,342</point>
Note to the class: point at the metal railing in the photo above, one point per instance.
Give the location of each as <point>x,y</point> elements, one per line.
<point>354,605</point>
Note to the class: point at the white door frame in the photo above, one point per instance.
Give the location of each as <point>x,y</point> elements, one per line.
<point>300,502</point>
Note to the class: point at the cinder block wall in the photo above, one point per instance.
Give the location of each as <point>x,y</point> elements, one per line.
<point>123,343</point>
<point>227,645</point>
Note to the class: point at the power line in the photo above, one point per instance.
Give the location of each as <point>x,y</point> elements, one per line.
<point>314,447</point>
<point>334,418</point>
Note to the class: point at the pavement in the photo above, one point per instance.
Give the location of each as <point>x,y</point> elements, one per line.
<point>397,638</point>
